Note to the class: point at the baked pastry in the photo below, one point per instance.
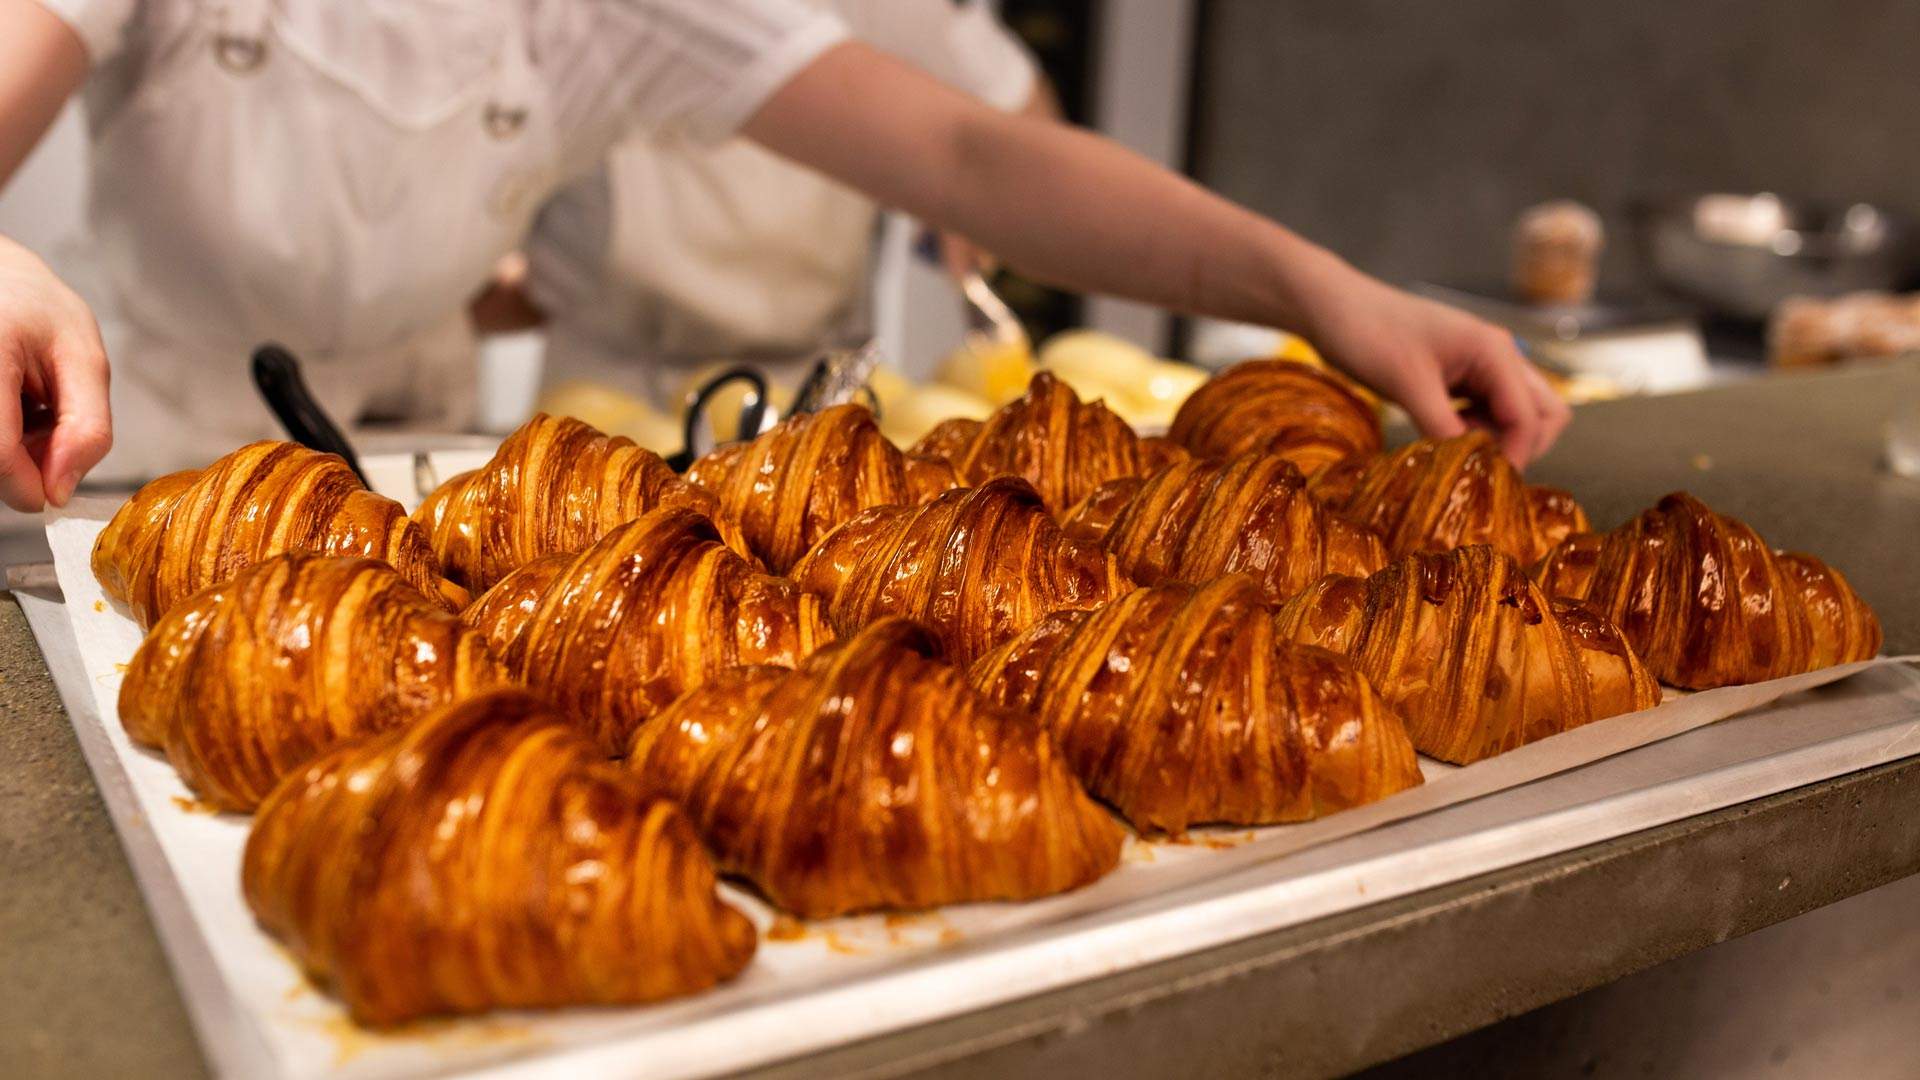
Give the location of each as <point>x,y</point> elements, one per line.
<point>249,679</point>
<point>1179,706</point>
<point>1706,603</point>
<point>1306,414</point>
<point>1196,520</point>
<point>977,566</point>
<point>188,530</point>
<point>1470,653</point>
<point>1438,494</point>
<point>873,776</point>
<point>1061,445</point>
<point>793,484</point>
<point>554,487</point>
<point>486,857</point>
<point>654,608</point>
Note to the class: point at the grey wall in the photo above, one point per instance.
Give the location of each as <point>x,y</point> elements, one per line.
<point>1407,133</point>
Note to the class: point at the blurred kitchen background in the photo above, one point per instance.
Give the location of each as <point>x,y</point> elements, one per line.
<point>1410,137</point>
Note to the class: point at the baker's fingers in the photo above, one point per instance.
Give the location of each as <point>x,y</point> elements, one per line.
<point>1495,375</point>
<point>82,422</point>
<point>20,484</point>
<point>1555,414</point>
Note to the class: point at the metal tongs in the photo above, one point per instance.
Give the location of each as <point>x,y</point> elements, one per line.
<point>754,413</point>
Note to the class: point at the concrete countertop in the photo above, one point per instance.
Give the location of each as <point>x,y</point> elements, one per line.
<point>84,989</point>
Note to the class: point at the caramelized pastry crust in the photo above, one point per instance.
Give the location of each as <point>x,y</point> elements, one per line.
<point>1300,412</point>
<point>1707,603</point>
<point>1470,653</point>
<point>873,777</point>
<point>247,680</point>
<point>486,857</point>
<point>811,472</point>
<point>654,608</point>
<point>1196,520</point>
<point>977,566</point>
<point>1179,707</point>
<point>188,530</point>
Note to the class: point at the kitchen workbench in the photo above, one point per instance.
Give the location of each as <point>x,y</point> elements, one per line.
<point>84,989</point>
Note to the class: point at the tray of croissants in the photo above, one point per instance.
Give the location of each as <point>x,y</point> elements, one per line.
<point>585,762</point>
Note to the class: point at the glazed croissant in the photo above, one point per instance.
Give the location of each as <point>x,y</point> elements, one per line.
<point>977,565</point>
<point>811,472</point>
<point>654,608</point>
<point>188,530</point>
<point>872,777</point>
<point>487,857</point>
<point>1178,706</point>
<point>1706,603</point>
<point>1307,415</point>
<point>247,680</point>
<point>1439,494</point>
<point>1470,653</point>
<point>1061,445</point>
<point>1196,520</point>
<point>555,486</point>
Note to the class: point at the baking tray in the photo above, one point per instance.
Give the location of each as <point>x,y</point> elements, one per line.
<point>849,979</point>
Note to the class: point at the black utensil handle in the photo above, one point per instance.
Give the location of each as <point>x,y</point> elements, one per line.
<point>277,374</point>
<point>751,415</point>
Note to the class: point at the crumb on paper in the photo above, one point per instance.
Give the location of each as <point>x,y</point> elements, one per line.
<point>836,943</point>
<point>949,937</point>
<point>786,928</point>
<point>99,605</point>
<point>194,806</point>
<point>1137,851</point>
<point>1703,462</point>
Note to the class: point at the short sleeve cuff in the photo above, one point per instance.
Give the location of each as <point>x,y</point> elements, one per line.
<point>100,24</point>
<point>722,118</point>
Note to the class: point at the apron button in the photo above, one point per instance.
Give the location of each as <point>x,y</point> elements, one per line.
<point>502,122</point>
<point>240,55</point>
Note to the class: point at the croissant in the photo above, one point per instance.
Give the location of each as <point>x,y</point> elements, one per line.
<point>1303,413</point>
<point>1061,445</point>
<point>188,530</point>
<point>249,679</point>
<point>1196,520</point>
<point>555,486</point>
<point>793,484</point>
<point>654,608</point>
<point>872,777</point>
<point>1706,603</point>
<point>1470,653</point>
<point>977,565</point>
<point>487,856</point>
<point>1438,494</point>
<point>1178,706</point>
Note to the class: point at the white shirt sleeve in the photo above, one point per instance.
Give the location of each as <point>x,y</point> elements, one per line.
<point>963,44</point>
<point>101,24</point>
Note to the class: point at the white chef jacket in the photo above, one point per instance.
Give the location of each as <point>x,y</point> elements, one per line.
<point>678,252</point>
<point>342,178</point>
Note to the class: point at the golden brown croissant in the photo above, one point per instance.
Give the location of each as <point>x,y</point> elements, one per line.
<point>1061,445</point>
<point>1707,603</point>
<point>1305,414</point>
<point>653,609</point>
<point>487,856</point>
<point>554,487</point>
<point>1470,653</point>
<point>811,472</point>
<point>1178,706</point>
<point>871,777</point>
<point>247,680</point>
<point>188,530</point>
<point>977,565</point>
<point>1196,520</point>
<point>1439,494</point>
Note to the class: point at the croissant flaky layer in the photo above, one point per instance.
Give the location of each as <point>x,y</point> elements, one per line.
<point>873,777</point>
<point>1470,653</point>
<point>792,485</point>
<point>976,565</point>
<point>249,679</point>
<point>1706,603</point>
<point>555,486</point>
<point>188,530</point>
<point>1440,494</point>
<point>487,857</point>
<point>1061,445</point>
<point>1196,520</point>
<point>1309,416</point>
<point>1179,706</point>
<point>653,609</point>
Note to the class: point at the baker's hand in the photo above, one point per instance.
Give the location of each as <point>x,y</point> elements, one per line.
<point>1422,354</point>
<point>54,422</point>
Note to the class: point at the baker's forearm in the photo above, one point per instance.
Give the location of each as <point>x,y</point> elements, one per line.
<point>42,63</point>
